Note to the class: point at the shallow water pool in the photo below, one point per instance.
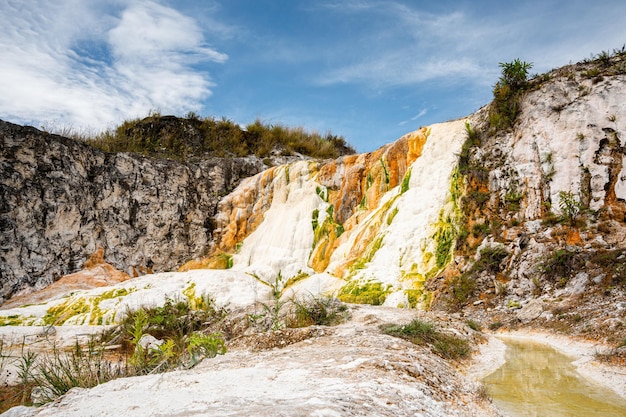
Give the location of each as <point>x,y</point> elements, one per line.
<point>538,381</point>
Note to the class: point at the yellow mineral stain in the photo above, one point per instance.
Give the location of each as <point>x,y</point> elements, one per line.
<point>355,185</point>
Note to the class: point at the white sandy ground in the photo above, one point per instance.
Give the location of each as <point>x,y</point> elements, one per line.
<point>582,352</point>
<point>348,370</point>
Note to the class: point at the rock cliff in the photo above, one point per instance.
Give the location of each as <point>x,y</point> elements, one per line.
<point>60,200</point>
<point>454,215</point>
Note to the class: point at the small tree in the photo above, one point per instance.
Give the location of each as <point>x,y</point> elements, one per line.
<point>570,206</point>
<point>507,93</point>
<point>515,74</point>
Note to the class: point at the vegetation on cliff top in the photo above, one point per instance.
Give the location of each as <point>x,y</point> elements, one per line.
<point>193,137</point>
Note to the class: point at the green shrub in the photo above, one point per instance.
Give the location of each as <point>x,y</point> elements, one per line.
<point>46,376</point>
<point>507,93</point>
<point>613,263</point>
<point>570,206</point>
<point>446,345</point>
<point>462,288</point>
<point>200,346</point>
<point>559,265</point>
<point>513,201</point>
<point>495,325</point>
<point>317,310</point>
<point>473,139</point>
<point>490,259</point>
<point>480,229</point>
<point>474,325</point>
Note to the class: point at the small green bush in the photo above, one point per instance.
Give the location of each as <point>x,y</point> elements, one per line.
<point>559,265</point>
<point>480,229</point>
<point>45,377</point>
<point>507,93</point>
<point>317,310</point>
<point>474,325</point>
<point>613,263</point>
<point>570,206</point>
<point>446,345</point>
<point>462,287</point>
<point>495,325</point>
<point>513,201</point>
<point>200,346</point>
<point>490,259</point>
<point>473,140</point>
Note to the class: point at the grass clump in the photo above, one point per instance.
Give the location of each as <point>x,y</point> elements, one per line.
<point>446,345</point>
<point>559,266</point>
<point>613,263</point>
<point>490,259</point>
<point>474,325</point>
<point>58,372</point>
<point>472,140</point>
<point>43,377</point>
<point>317,310</point>
<point>460,289</point>
<point>174,320</point>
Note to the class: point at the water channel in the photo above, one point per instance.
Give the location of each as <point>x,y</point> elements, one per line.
<point>538,381</point>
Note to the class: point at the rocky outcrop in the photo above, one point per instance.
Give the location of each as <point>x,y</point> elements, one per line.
<point>61,199</point>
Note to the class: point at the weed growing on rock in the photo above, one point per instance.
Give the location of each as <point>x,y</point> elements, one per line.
<point>165,337</point>
<point>558,266</point>
<point>462,287</point>
<point>317,310</point>
<point>446,345</point>
<point>495,325</point>
<point>507,93</point>
<point>59,371</point>
<point>274,309</point>
<point>570,206</point>
<point>474,325</point>
<point>490,259</point>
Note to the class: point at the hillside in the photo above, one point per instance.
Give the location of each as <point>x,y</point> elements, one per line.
<point>493,226</point>
<point>195,139</point>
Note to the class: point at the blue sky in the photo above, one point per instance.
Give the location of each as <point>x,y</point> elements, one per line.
<point>365,69</point>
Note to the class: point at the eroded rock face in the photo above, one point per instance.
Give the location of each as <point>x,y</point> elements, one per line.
<point>61,199</point>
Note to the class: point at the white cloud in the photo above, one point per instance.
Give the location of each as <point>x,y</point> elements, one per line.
<point>95,63</point>
<point>422,113</point>
<point>406,44</point>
